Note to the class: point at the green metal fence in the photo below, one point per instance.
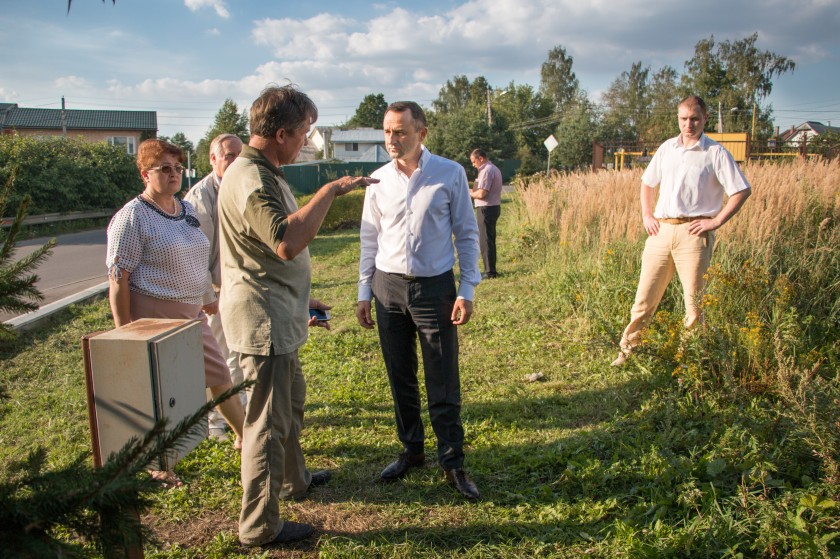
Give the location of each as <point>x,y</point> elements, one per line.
<point>306,178</point>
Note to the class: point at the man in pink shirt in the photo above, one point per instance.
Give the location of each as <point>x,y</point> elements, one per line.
<point>487,196</point>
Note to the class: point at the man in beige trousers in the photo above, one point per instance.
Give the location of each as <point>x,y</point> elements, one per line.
<point>693,173</point>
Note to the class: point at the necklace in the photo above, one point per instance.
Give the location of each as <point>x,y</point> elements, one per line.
<point>155,204</point>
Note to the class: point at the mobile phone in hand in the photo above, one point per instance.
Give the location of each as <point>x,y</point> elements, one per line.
<point>320,315</point>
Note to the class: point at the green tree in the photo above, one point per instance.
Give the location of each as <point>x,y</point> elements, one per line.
<point>227,121</point>
<point>663,97</point>
<point>459,123</point>
<point>18,292</point>
<point>454,96</point>
<point>370,113</point>
<point>180,139</point>
<point>531,119</point>
<point>626,106</point>
<point>735,78</point>
<point>557,80</point>
<point>575,134</point>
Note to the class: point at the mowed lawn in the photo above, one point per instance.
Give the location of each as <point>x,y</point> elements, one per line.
<point>587,461</point>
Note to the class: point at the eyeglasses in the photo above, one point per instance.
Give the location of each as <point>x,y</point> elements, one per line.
<point>168,169</point>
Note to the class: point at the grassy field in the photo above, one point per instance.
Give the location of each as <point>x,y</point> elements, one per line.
<point>718,444</point>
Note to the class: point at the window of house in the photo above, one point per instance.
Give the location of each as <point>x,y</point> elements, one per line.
<point>354,146</point>
<point>126,141</point>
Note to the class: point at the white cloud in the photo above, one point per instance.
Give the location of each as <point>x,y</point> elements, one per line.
<point>214,32</point>
<point>72,83</point>
<point>218,5</point>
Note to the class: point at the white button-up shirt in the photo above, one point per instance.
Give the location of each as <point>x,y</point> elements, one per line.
<point>408,224</point>
<point>692,180</point>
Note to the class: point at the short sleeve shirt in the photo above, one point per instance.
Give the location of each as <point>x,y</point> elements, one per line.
<point>692,181</point>
<point>265,299</point>
<point>165,255</point>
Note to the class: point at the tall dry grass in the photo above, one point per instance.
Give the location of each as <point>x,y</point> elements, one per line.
<point>772,303</point>
<point>603,207</point>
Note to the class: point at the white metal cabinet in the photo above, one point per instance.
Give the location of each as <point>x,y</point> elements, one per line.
<point>139,373</point>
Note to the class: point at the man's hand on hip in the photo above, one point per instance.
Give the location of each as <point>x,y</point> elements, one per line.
<point>461,312</point>
<point>651,225</point>
<point>700,226</point>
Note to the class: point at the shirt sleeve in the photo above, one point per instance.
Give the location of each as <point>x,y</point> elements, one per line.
<point>125,243</point>
<point>267,217</point>
<point>483,181</point>
<point>728,173</point>
<point>653,174</point>
<point>369,239</point>
<point>465,230</point>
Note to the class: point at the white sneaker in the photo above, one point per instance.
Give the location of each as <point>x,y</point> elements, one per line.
<point>218,433</point>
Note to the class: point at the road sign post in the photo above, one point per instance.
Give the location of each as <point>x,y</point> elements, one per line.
<point>550,143</point>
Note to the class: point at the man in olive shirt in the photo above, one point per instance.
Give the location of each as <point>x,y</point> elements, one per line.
<point>265,306</point>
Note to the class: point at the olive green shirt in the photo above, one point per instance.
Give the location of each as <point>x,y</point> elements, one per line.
<point>265,299</point>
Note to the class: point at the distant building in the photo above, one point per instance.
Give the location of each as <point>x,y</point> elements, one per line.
<point>359,144</point>
<point>795,135</point>
<point>119,128</point>
<point>319,137</point>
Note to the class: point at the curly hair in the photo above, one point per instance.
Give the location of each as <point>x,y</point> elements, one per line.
<point>151,151</point>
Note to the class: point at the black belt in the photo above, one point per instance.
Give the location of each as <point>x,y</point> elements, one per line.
<point>405,277</point>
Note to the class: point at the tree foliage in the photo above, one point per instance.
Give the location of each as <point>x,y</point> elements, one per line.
<point>458,124</point>
<point>228,120</point>
<point>180,139</point>
<point>530,117</point>
<point>734,78</point>
<point>370,112</point>
<point>98,505</point>
<point>557,79</point>
<point>18,292</point>
<point>65,174</point>
<point>575,135</point>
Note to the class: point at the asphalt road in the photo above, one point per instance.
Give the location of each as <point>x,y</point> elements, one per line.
<point>76,263</point>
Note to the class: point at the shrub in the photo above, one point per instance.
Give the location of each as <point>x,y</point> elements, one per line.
<point>65,175</point>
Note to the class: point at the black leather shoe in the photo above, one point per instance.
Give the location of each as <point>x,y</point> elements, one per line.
<point>459,479</point>
<point>320,477</point>
<point>398,468</point>
<point>291,532</point>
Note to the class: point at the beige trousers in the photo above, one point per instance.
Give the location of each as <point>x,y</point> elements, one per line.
<point>273,466</point>
<point>672,249</point>
<point>214,418</point>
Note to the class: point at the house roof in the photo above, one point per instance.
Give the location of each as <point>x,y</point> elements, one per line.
<point>50,119</point>
<point>360,135</point>
<point>817,128</point>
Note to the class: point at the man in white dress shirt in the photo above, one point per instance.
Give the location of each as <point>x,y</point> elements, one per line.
<point>203,196</point>
<point>407,256</point>
<point>693,172</point>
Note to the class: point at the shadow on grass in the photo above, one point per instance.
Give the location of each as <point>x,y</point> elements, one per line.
<point>455,538</point>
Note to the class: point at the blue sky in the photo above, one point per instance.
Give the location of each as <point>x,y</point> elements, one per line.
<point>182,58</point>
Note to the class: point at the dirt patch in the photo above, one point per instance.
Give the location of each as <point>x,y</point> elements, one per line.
<point>328,519</point>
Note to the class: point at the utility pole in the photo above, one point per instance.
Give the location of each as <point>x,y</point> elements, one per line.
<point>63,118</point>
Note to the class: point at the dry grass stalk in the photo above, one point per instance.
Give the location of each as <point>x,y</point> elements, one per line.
<point>603,207</point>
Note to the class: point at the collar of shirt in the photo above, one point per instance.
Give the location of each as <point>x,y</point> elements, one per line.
<point>702,143</point>
<point>257,157</point>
